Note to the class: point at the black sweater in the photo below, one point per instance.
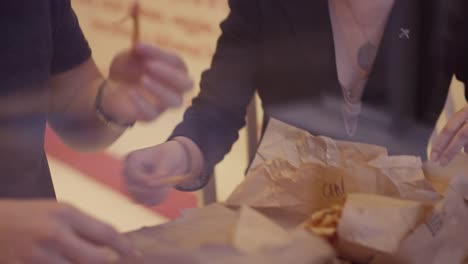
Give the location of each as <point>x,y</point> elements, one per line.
<point>284,50</point>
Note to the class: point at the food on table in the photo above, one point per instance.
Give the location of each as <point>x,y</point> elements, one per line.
<point>324,222</point>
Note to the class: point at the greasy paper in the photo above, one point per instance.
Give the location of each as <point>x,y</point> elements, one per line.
<point>371,225</point>
<point>440,177</point>
<point>443,238</point>
<point>267,233</point>
<point>210,225</point>
<point>229,236</point>
<point>297,171</point>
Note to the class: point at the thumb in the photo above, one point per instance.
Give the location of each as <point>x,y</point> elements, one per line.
<point>143,161</point>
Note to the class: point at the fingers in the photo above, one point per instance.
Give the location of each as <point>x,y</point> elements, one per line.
<point>150,80</point>
<point>167,97</point>
<point>171,77</point>
<point>98,233</point>
<point>139,165</point>
<point>146,110</point>
<point>139,175</point>
<point>45,256</point>
<point>458,141</point>
<point>148,52</point>
<point>165,75</point>
<point>145,194</point>
<point>154,96</point>
<point>150,182</point>
<point>135,181</point>
<point>146,174</point>
<point>450,140</point>
<point>148,196</point>
<point>81,251</point>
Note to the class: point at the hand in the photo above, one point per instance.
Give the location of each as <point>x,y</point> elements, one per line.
<point>144,82</point>
<point>452,139</point>
<point>46,232</point>
<point>146,170</point>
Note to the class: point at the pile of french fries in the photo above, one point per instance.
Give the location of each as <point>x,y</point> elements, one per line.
<point>324,223</point>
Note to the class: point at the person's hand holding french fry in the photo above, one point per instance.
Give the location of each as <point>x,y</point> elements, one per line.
<point>143,81</point>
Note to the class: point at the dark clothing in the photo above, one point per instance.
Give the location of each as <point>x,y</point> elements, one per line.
<point>38,39</point>
<point>284,50</point>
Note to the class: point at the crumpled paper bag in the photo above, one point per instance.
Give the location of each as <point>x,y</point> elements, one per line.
<point>440,177</point>
<point>299,252</point>
<point>443,238</point>
<point>299,172</point>
<point>373,225</point>
<point>217,233</point>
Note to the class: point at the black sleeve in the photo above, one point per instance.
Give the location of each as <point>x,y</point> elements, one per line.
<point>458,42</point>
<point>462,75</point>
<point>218,112</point>
<point>462,71</point>
<point>70,47</point>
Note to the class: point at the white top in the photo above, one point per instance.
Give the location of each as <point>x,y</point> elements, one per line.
<point>358,26</point>
<point>355,23</point>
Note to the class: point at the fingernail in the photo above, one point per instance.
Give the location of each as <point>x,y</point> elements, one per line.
<point>434,156</point>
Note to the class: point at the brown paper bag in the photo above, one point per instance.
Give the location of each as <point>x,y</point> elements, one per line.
<point>301,251</point>
<point>373,225</point>
<point>296,171</point>
<point>443,238</point>
<point>280,142</point>
<point>216,233</point>
<point>267,233</point>
<point>440,177</point>
<point>209,225</point>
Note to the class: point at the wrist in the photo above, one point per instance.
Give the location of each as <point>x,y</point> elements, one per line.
<point>193,156</point>
<point>105,116</point>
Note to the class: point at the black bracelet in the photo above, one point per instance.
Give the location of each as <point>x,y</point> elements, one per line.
<point>103,116</point>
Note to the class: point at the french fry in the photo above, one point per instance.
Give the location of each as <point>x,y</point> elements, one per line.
<point>318,216</point>
<point>135,15</point>
<point>329,221</point>
<point>323,231</point>
<point>337,208</point>
<point>172,180</point>
<point>324,222</point>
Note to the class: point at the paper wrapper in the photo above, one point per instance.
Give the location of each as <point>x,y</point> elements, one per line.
<point>296,171</point>
<point>373,225</point>
<point>443,238</point>
<point>440,177</point>
<point>216,234</point>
